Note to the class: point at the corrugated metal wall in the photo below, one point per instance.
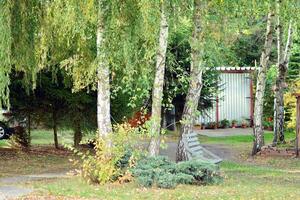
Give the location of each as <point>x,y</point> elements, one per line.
<point>234,99</point>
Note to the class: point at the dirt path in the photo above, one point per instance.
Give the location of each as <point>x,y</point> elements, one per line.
<point>9,188</point>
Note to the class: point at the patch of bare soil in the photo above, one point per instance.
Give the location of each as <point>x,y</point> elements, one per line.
<point>36,150</point>
<point>276,152</point>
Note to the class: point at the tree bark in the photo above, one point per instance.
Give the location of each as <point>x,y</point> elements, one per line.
<point>54,119</point>
<point>103,82</point>
<point>260,87</point>
<point>29,127</point>
<point>157,94</point>
<point>282,65</point>
<point>195,84</point>
<point>77,134</point>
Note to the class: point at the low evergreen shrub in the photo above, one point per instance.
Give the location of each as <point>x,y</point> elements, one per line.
<point>163,173</point>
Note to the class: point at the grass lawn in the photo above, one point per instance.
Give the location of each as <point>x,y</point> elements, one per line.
<point>241,181</point>
<point>243,139</point>
<point>247,178</point>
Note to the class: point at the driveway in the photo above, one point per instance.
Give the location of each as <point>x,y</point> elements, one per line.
<point>225,132</point>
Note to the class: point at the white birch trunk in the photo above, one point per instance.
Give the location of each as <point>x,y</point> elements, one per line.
<point>260,88</point>
<point>157,94</point>
<point>103,93</point>
<point>195,85</point>
<point>282,64</point>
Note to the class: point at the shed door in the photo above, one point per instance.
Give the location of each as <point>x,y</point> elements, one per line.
<point>234,98</point>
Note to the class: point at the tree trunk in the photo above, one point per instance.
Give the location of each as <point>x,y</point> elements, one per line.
<point>103,93</point>
<point>77,134</point>
<point>157,94</point>
<point>54,119</point>
<point>282,64</point>
<point>260,87</point>
<point>195,85</point>
<point>29,128</point>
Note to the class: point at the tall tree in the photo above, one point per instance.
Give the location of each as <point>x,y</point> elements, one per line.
<point>103,73</point>
<point>283,56</point>
<point>195,84</point>
<point>260,86</point>
<point>157,92</point>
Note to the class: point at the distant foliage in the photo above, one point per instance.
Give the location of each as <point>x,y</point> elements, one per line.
<point>293,81</point>
<point>290,104</point>
<point>160,172</point>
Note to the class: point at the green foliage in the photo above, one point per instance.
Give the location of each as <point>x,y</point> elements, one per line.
<point>163,173</point>
<point>225,123</point>
<point>5,52</point>
<point>20,139</point>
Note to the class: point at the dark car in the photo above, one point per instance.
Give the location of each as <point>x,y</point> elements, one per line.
<point>5,131</point>
<point>6,123</point>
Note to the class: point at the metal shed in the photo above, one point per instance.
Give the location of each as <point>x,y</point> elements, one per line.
<point>235,98</point>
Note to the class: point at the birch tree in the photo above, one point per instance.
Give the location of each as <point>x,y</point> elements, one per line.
<point>283,56</point>
<point>103,89</point>
<point>157,93</point>
<point>195,83</point>
<point>260,86</point>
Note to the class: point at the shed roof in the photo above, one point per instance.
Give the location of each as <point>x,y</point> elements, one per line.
<point>225,68</point>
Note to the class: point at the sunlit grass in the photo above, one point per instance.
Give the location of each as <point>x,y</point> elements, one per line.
<point>241,181</point>
<point>242,139</point>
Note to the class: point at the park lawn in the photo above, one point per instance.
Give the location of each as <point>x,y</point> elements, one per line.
<point>241,181</point>
<point>243,139</point>
<point>45,137</point>
<point>248,178</point>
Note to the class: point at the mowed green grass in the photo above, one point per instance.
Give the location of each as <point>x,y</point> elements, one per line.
<point>45,137</point>
<point>241,181</point>
<point>243,139</point>
<point>248,178</point>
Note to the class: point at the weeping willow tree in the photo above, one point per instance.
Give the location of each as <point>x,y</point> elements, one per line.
<point>5,52</point>
<point>19,26</point>
<point>103,45</point>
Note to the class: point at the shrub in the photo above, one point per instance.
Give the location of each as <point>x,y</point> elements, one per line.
<point>167,181</point>
<point>20,139</point>
<point>225,123</point>
<point>107,164</point>
<point>163,173</point>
